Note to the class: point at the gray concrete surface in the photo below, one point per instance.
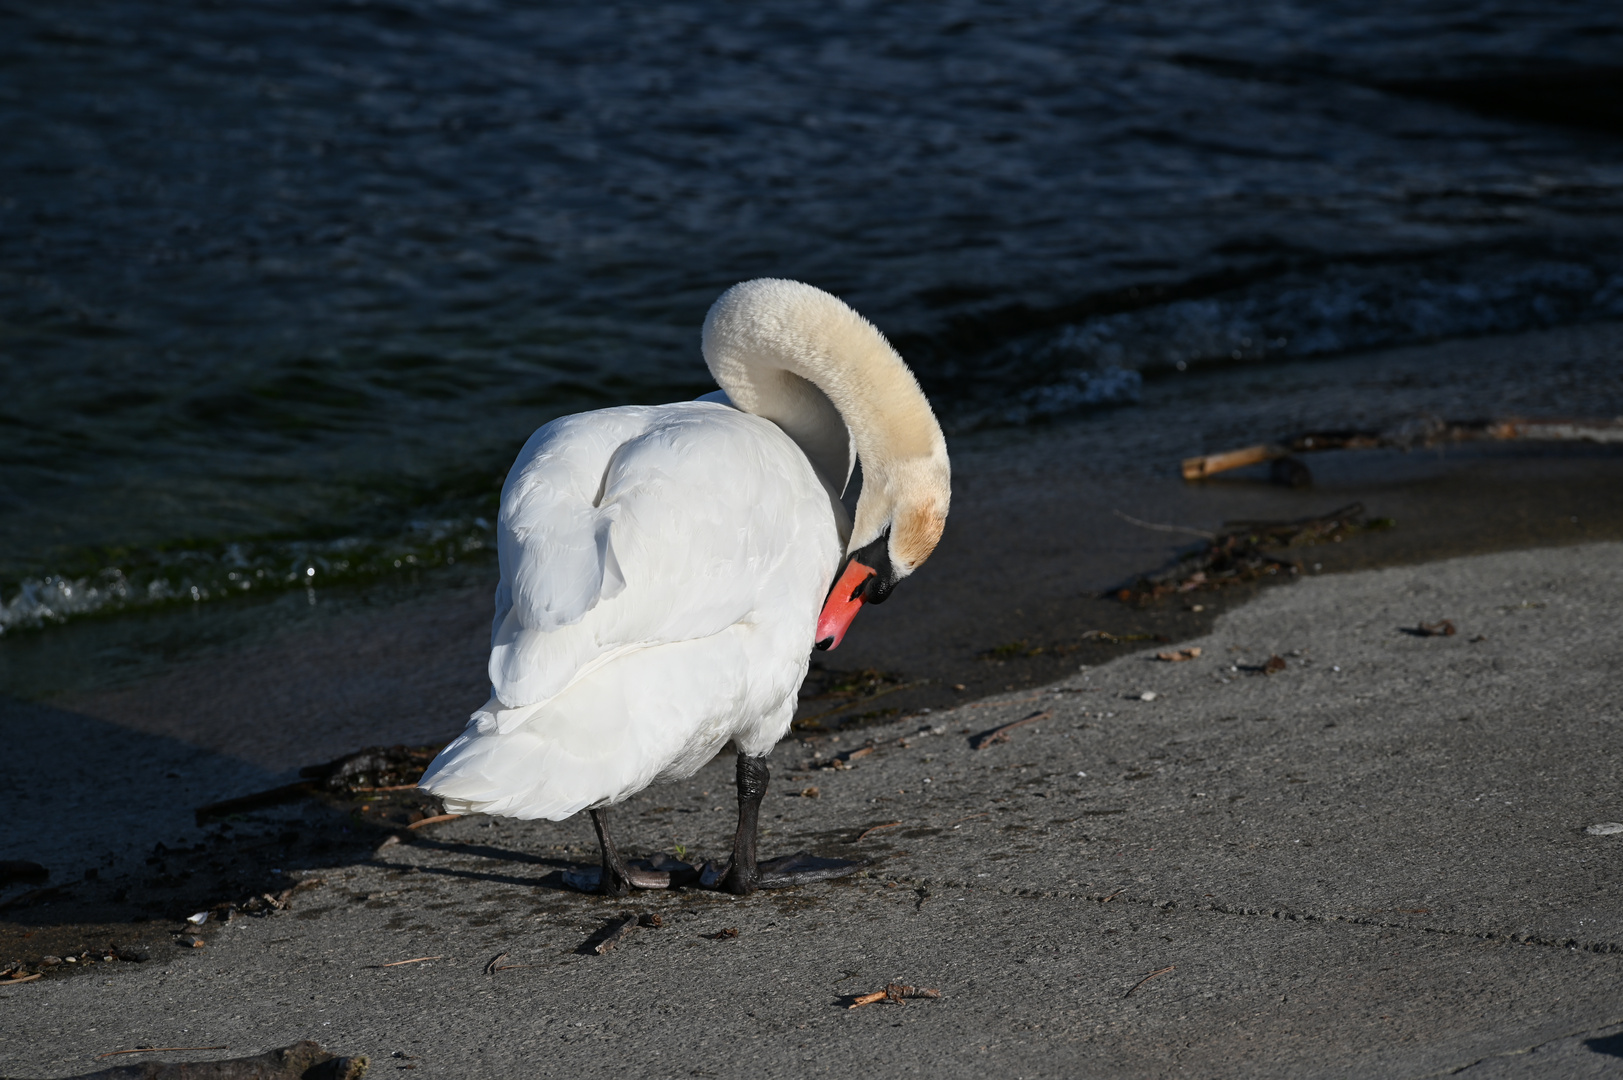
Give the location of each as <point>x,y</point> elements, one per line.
<point>1371,863</point>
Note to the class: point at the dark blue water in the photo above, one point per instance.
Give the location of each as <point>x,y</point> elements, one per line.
<point>283,286</point>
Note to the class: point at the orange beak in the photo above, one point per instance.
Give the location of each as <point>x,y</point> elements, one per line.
<point>845,599</point>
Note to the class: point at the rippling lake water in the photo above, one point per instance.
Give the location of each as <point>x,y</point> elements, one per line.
<point>283,286</point>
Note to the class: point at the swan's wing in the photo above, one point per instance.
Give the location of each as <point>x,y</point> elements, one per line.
<point>633,527</point>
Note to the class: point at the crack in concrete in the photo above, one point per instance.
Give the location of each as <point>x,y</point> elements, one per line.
<point>1279,914</point>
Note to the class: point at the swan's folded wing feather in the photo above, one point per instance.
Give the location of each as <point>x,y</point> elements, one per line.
<point>662,536</point>
<point>551,536</point>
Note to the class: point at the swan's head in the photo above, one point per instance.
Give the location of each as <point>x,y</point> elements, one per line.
<point>908,502</point>
<point>772,346</point>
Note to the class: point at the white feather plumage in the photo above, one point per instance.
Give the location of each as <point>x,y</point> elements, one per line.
<point>662,570</point>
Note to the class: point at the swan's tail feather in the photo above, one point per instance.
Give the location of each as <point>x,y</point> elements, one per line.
<point>605,738</point>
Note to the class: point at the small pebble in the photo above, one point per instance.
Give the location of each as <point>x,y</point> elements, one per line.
<point>1605,828</point>
<point>1148,695</point>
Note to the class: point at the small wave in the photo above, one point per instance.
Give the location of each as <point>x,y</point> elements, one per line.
<point>1075,391</point>
<point>1097,362</point>
<point>202,573</point>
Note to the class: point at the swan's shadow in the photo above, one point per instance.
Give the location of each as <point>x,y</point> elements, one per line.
<point>553,880</point>
<point>800,868</point>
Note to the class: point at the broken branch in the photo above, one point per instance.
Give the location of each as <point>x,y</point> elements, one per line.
<point>897,991</point>
<point>894,994</point>
<point>618,931</point>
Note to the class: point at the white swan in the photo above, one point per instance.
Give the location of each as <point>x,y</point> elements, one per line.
<point>665,570</point>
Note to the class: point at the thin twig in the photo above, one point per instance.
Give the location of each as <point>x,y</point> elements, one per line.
<point>875,828</point>
<point>435,820</point>
<point>391,787</point>
<point>866,999</point>
<point>22,979</point>
<point>157,1050</point>
<point>618,931</point>
<point>1147,978</point>
<point>414,960</point>
<point>1001,734</point>
<point>1202,533</point>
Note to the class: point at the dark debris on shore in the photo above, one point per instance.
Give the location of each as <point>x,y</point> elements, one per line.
<point>1249,551</point>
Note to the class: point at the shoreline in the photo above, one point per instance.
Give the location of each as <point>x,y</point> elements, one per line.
<point>1016,596</point>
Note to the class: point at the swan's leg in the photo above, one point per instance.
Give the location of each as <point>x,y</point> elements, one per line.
<point>743,876</point>
<point>616,879</point>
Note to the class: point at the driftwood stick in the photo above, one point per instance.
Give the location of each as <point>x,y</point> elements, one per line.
<point>1427,433</point>
<point>1197,468</point>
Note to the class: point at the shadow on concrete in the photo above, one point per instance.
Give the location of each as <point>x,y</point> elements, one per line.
<point>109,813</point>
<point>1610,1045</point>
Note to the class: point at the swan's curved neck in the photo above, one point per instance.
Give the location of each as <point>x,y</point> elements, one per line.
<point>809,363</point>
